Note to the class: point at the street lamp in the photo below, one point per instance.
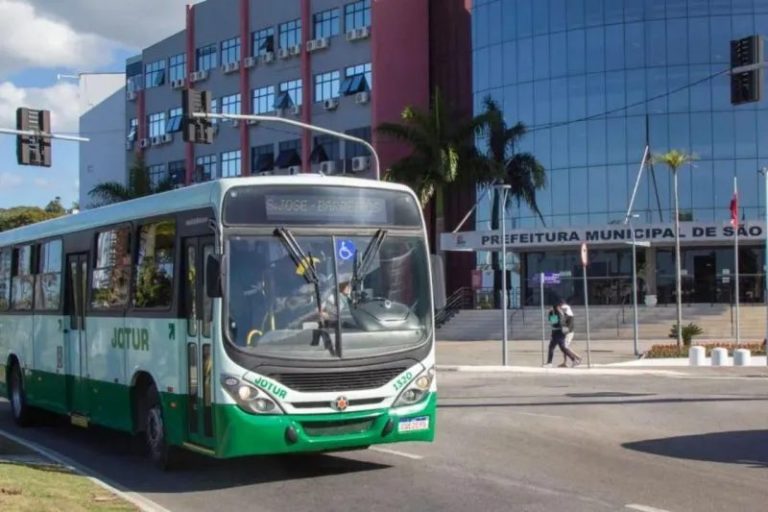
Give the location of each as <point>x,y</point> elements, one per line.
<point>764,172</point>
<point>504,191</point>
<point>634,244</point>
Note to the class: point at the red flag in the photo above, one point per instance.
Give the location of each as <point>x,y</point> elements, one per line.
<point>735,210</point>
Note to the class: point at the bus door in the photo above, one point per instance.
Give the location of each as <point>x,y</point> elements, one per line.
<point>75,342</point>
<point>199,353</point>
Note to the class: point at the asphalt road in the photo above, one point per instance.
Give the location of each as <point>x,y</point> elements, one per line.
<point>505,443</point>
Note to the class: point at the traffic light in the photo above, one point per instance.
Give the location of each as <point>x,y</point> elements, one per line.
<point>33,149</point>
<point>746,86</point>
<point>195,129</point>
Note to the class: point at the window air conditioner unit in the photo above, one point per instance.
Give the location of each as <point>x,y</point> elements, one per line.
<point>361,163</point>
<point>267,58</point>
<point>230,67</point>
<point>317,44</point>
<point>294,169</point>
<point>129,145</point>
<point>235,123</point>
<point>362,98</point>
<point>331,104</point>
<point>249,62</point>
<point>266,173</point>
<point>295,50</point>
<point>167,138</point>
<point>144,143</point>
<point>155,141</point>
<point>328,167</point>
<point>295,110</point>
<point>252,121</point>
<point>283,53</point>
<point>132,96</point>
<point>198,76</point>
<point>358,33</point>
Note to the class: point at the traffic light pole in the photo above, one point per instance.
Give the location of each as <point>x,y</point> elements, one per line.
<point>299,124</point>
<point>27,133</point>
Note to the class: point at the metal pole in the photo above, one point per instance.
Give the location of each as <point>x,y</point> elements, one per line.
<point>543,314</point>
<point>637,182</point>
<point>677,265</point>
<point>586,311</point>
<point>634,287</point>
<point>504,275</point>
<point>764,172</point>
<point>736,261</point>
<point>30,133</point>
<point>299,124</point>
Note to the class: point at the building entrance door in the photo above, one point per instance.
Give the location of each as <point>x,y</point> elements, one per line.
<point>704,281</point>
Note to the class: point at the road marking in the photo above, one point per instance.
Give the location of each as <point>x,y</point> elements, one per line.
<point>144,504</point>
<point>539,415</point>
<point>396,452</point>
<point>645,508</point>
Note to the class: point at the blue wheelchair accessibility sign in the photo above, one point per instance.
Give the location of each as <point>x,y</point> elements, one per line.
<point>345,249</point>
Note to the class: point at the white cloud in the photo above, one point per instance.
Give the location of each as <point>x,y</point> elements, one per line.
<point>32,40</point>
<point>42,182</point>
<point>134,23</point>
<point>61,99</point>
<point>10,180</point>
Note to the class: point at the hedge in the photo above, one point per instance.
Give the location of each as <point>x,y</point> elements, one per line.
<point>667,351</point>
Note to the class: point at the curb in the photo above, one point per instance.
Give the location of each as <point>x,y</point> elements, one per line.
<point>581,372</point>
<point>144,504</point>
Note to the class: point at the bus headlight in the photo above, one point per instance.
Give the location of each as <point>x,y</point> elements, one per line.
<point>248,397</point>
<point>417,390</point>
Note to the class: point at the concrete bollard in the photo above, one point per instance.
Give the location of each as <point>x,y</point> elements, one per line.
<point>720,356</point>
<point>742,357</point>
<point>696,356</point>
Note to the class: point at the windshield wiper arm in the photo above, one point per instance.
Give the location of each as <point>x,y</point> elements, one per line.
<point>361,265</point>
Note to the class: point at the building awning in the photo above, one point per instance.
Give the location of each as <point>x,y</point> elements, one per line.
<point>265,162</point>
<point>318,155</point>
<point>287,158</point>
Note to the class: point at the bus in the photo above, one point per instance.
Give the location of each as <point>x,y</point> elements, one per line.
<point>238,317</point>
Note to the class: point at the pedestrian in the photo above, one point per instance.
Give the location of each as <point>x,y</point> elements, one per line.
<point>567,314</point>
<point>556,320</point>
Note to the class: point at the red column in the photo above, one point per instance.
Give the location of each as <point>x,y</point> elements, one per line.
<point>245,88</point>
<point>306,84</point>
<point>189,150</point>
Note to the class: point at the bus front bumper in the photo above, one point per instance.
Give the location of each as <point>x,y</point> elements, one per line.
<point>243,434</point>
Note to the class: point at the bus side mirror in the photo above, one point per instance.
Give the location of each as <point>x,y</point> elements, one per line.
<point>213,277</point>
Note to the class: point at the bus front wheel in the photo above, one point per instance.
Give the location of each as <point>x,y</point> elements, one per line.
<point>160,452</point>
<point>22,414</point>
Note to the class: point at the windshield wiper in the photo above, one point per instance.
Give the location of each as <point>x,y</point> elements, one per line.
<point>305,261</point>
<point>362,265</point>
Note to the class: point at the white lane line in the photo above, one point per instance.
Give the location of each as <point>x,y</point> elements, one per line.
<point>645,508</point>
<point>540,415</point>
<point>395,452</point>
<point>144,504</point>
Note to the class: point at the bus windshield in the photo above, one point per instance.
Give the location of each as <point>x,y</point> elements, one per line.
<point>373,291</point>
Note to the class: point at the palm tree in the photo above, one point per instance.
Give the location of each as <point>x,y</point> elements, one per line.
<point>139,185</point>
<point>675,159</point>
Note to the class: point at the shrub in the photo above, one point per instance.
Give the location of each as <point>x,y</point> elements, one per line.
<point>668,351</point>
<point>689,331</point>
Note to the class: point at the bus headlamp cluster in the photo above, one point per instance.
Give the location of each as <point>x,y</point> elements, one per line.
<point>248,397</point>
<point>417,390</point>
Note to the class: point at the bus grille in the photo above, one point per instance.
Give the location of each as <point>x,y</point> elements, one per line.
<point>338,381</point>
<point>337,428</point>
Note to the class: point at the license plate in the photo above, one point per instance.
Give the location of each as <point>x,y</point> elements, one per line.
<point>413,424</point>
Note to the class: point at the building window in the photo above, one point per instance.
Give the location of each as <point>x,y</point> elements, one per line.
<point>325,148</point>
<point>357,79</point>
<point>230,50</point>
<point>134,84</point>
<point>22,282</point>
<point>175,116</point>
<point>290,33</point>
<point>263,158</point>
<point>5,279</point>
<point>326,23</point>
<point>48,278</point>
<point>214,109</point>
<point>353,149</point>
<point>178,67</point>
<point>133,129</point>
<point>264,99</point>
<point>231,164</point>
<point>111,274</point>
<point>357,15</point>
<point>263,41</point>
<point>327,86</point>
<point>177,172</point>
<point>205,168</point>
<point>231,104</point>
<point>156,124</point>
<point>289,154</point>
<point>154,74</point>
<point>154,265</point>
<point>206,57</point>
<point>290,94</point>
<point>157,174</point>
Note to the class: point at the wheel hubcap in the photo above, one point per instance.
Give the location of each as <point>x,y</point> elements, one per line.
<point>155,429</point>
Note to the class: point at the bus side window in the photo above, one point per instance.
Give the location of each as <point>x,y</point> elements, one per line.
<point>48,278</point>
<point>5,279</point>
<point>22,282</point>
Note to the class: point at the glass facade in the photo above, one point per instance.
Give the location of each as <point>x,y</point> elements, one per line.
<point>594,79</point>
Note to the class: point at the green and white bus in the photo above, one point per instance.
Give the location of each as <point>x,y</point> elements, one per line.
<point>245,316</point>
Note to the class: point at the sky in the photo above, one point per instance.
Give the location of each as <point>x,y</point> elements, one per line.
<point>41,39</point>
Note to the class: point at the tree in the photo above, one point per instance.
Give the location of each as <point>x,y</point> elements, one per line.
<point>55,207</point>
<point>19,216</point>
<point>139,185</point>
<point>675,159</point>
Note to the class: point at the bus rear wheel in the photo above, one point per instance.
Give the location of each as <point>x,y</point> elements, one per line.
<point>161,453</point>
<point>22,414</point>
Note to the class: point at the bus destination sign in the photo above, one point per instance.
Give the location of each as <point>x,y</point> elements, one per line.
<point>292,207</point>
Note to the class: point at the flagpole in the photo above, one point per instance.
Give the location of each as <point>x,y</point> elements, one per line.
<point>736,226</point>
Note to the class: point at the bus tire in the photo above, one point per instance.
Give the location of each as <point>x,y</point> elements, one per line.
<point>21,411</point>
<point>161,453</point>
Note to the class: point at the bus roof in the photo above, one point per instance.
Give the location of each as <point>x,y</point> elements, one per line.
<point>193,197</point>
